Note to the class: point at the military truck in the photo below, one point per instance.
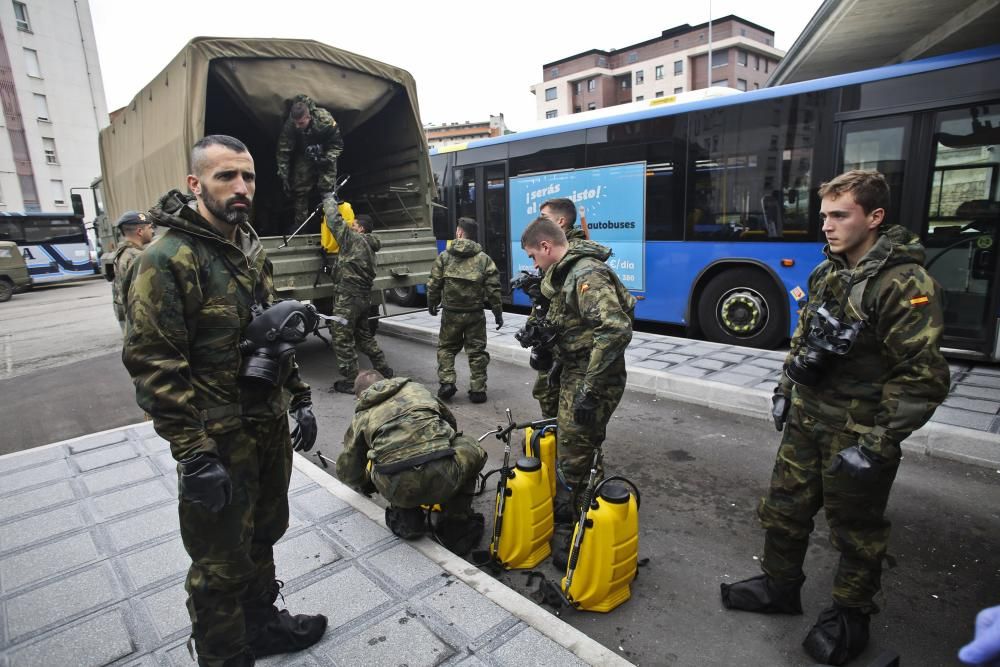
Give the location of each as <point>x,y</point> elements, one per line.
<point>242,87</point>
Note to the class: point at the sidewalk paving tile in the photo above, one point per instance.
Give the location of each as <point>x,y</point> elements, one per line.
<point>708,364</point>
<point>144,494</point>
<point>958,402</point>
<point>981,379</point>
<point>165,560</point>
<point>40,527</point>
<point>732,377</point>
<point>302,554</point>
<point>119,475</point>
<point>31,458</point>
<point>404,565</point>
<point>167,609</point>
<point>317,503</point>
<point>975,420</point>
<point>354,592</point>
<point>36,499</point>
<point>400,634</point>
<point>105,456</point>
<point>689,371</point>
<point>25,567</point>
<point>98,440</point>
<point>469,611</point>
<point>530,648</point>
<point>972,391</point>
<point>100,640</point>
<point>60,600</point>
<point>42,474</point>
<point>145,526</point>
<point>358,531</point>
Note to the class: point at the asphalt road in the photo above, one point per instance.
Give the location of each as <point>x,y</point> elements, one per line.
<point>701,473</point>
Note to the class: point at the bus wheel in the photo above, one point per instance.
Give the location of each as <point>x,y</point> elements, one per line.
<point>6,290</point>
<point>404,296</point>
<point>742,307</point>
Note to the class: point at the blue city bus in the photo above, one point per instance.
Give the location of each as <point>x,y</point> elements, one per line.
<point>711,207</point>
<point>54,245</point>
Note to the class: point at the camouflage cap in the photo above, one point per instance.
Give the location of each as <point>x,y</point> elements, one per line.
<point>132,218</point>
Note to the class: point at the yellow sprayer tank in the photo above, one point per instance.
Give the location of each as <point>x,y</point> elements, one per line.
<point>609,552</point>
<point>542,445</point>
<point>527,519</point>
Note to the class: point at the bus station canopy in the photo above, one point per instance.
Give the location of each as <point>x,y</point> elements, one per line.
<point>852,35</point>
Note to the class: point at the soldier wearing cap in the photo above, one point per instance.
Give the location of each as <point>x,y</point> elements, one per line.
<point>137,232</point>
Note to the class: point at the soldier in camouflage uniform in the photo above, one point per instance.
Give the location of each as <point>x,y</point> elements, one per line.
<point>354,278</point>
<point>403,442</point>
<point>845,416</point>
<point>308,148</point>
<point>463,279</point>
<point>592,312</point>
<point>561,211</point>
<point>188,306</point>
<point>136,233</point>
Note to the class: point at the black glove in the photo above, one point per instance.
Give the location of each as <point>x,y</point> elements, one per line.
<point>314,152</point>
<point>433,310</point>
<point>204,480</point>
<point>498,318</point>
<point>858,462</point>
<point>585,408</point>
<point>540,358</point>
<point>779,408</point>
<point>554,379</point>
<point>304,435</point>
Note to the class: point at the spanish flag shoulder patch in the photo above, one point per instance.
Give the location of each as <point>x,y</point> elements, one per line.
<point>919,301</point>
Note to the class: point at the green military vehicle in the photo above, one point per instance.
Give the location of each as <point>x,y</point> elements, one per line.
<point>13,271</point>
<point>241,87</point>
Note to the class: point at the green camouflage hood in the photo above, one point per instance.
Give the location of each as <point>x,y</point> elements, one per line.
<point>576,251</point>
<point>464,248</point>
<point>176,210</point>
<point>895,245</point>
<point>379,392</point>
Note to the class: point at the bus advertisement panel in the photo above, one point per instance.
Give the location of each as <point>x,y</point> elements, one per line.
<point>609,200</point>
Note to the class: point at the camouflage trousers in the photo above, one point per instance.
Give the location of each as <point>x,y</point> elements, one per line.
<point>547,397</point>
<point>449,481</point>
<point>800,486</point>
<point>306,178</point>
<point>460,330</point>
<point>576,443</point>
<point>349,330</point>
<point>232,558</point>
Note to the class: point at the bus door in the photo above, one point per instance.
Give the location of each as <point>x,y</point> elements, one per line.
<point>482,195</point>
<point>962,219</point>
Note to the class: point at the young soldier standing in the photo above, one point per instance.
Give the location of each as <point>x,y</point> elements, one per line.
<point>463,278</point>
<point>137,232</point>
<point>844,414</point>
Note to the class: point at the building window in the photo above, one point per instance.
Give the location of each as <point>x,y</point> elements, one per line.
<point>41,107</point>
<point>591,106</point>
<point>677,43</point>
<point>659,72</point>
<point>767,40</point>
<point>678,67</point>
<point>659,93</point>
<point>578,87</point>
<point>554,72</point>
<point>720,58</point>
<point>741,84</point>
<point>766,64</point>
<point>577,109</point>
<point>756,86</point>
<point>591,84</point>
<point>640,76</point>
<point>701,37</point>
<point>626,83</point>
<point>550,94</point>
<point>633,57</point>
<point>640,98</point>
<point>743,32</point>
<point>678,91</point>
<point>31,63</point>
<point>602,61</point>
<point>21,16</point>
<point>741,57</point>
<point>49,146</point>
<point>58,193</point>
<point>721,82</point>
<point>551,114</point>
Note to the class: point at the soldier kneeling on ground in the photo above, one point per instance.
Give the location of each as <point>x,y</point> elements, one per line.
<point>404,443</point>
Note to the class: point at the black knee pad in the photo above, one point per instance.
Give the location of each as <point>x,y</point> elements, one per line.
<point>408,524</point>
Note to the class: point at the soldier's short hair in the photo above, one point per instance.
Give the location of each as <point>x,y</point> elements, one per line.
<point>469,227</point>
<point>365,222</point>
<point>366,379</point>
<point>198,150</point>
<point>868,187</point>
<point>299,110</point>
<point>542,229</point>
<point>562,207</point>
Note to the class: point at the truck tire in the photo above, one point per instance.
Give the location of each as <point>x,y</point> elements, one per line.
<point>404,296</point>
<point>6,289</point>
<point>743,306</point>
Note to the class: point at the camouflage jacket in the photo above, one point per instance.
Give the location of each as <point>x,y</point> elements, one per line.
<point>394,420</point>
<point>464,278</point>
<point>124,258</point>
<point>894,377</point>
<point>356,262</point>
<point>575,234</point>
<point>188,305</point>
<point>591,309</point>
<point>323,131</point>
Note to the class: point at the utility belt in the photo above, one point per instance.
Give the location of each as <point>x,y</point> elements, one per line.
<point>400,466</point>
<point>459,309</point>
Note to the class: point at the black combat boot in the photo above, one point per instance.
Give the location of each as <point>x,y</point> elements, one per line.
<point>477,396</point>
<point>244,659</point>
<point>562,542</point>
<point>270,631</point>
<point>344,386</point>
<point>840,635</point>
<point>447,390</point>
<point>407,523</point>
<point>385,372</point>
<point>562,506</point>
<point>460,535</point>
<point>764,595</point>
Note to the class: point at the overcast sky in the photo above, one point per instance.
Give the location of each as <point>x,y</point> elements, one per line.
<point>470,59</point>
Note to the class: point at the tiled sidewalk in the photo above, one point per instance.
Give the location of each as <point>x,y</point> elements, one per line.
<point>741,379</point>
<point>92,571</point>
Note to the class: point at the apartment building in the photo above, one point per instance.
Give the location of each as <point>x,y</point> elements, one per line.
<point>53,104</point>
<point>742,57</point>
<point>456,133</point>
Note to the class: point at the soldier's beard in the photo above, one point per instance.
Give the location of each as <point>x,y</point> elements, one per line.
<point>225,211</point>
